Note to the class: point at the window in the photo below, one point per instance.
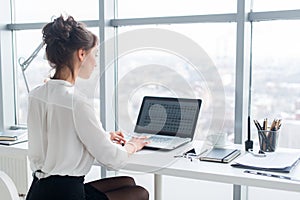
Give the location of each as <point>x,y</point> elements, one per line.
<point>157,8</point>
<point>274,5</point>
<point>273,52</point>
<point>28,40</point>
<point>36,72</point>
<point>276,84</point>
<point>43,11</point>
<point>168,72</point>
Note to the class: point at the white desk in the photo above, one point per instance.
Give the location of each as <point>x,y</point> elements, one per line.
<point>164,163</point>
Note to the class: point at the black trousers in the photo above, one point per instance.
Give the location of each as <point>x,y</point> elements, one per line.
<point>63,188</point>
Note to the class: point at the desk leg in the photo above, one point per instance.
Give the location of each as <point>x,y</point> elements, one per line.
<point>103,172</point>
<point>157,187</point>
<point>240,192</point>
<point>244,194</point>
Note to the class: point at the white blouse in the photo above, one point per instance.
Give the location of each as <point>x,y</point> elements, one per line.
<point>65,135</point>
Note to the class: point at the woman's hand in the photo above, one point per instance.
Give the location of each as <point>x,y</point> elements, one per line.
<point>136,143</point>
<point>117,137</point>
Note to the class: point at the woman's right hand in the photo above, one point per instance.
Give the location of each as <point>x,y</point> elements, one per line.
<point>135,144</point>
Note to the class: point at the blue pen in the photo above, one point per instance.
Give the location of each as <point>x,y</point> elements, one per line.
<point>271,175</point>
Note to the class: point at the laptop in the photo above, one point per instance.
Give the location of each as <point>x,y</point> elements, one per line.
<point>167,122</point>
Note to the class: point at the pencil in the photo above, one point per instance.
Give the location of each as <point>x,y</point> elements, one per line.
<point>274,125</point>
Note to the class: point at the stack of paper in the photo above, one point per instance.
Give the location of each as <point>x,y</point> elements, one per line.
<point>277,161</point>
<point>10,137</point>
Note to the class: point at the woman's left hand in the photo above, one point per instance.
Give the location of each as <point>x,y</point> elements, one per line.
<point>117,137</point>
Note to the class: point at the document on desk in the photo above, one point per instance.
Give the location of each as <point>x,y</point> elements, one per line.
<point>277,161</point>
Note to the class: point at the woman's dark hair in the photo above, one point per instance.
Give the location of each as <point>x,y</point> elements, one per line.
<point>63,37</point>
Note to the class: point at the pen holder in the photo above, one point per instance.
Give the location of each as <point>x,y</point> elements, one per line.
<point>268,140</point>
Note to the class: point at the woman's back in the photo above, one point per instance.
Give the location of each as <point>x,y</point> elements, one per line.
<point>51,128</point>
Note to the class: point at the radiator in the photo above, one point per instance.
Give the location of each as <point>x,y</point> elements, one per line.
<point>15,164</point>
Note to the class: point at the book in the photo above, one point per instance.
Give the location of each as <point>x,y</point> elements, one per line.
<point>276,161</point>
<point>24,139</point>
<point>13,136</point>
<point>221,155</point>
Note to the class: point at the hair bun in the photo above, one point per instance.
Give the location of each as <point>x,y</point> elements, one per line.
<point>59,30</point>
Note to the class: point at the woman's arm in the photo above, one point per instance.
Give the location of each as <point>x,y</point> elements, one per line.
<point>93,136</point>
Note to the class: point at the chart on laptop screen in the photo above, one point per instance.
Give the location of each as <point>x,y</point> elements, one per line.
<point>168,116</point>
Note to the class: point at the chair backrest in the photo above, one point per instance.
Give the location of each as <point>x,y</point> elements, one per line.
<point>8,189</point>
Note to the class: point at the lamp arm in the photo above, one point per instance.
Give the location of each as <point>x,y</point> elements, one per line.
<point>27,62</point>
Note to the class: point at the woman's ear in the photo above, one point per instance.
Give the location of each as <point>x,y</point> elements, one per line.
<point>81,54</point>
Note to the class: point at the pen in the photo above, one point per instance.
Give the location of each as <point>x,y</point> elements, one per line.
<point>265,124</point>
<point>278,124</point>
<point>271,175</point>
<point>258,126</point>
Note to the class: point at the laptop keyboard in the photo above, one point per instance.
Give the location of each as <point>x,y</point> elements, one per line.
<point>157,141</point>
<point>164,140</point>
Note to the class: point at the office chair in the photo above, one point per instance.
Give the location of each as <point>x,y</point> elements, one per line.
<point>8,189</point>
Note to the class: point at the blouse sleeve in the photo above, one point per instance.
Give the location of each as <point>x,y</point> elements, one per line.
<point>95,139</point>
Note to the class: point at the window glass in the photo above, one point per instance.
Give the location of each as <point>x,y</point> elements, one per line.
<point>272,5</point>
<point>36,73</point>
<point>157,8</point>
<point>43,11</point>
<point>275,77</point>
<point>169,72</point>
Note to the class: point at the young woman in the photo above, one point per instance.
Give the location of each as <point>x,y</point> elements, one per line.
<point>65,136</point>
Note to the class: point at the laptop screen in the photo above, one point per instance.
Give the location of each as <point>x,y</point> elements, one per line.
<point>168,116</point>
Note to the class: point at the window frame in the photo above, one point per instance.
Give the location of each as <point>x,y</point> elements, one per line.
<point>7,78</point>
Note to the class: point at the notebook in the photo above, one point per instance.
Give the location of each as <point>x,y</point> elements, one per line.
<point>10,137</point>
<point>221,155</point>
<point>167,122</point>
